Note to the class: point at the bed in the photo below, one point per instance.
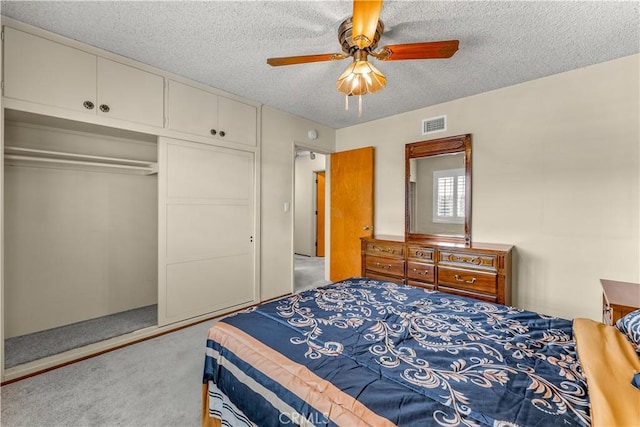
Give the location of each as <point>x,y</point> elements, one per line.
<point>367,352</point>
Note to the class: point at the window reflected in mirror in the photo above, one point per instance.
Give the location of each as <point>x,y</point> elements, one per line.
<point>438,189</point>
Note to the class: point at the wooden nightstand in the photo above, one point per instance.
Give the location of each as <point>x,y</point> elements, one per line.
<point>618,299</point>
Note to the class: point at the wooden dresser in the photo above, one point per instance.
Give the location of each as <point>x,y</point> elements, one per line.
<point>618,300</point>
<point>477,270</point>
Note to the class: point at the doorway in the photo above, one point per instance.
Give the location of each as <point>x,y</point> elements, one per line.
<point>309,190</point>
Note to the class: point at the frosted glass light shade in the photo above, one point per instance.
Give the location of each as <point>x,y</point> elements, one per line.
<point>361,78</point>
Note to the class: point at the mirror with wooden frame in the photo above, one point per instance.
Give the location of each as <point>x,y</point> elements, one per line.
<point>438,190</point>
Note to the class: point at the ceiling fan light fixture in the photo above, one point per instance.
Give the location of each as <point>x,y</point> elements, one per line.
<point>361,78</point>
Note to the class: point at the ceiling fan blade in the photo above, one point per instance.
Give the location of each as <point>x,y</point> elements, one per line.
<point>427,50</point>
<point>365,20</point>
<point>291,60</point>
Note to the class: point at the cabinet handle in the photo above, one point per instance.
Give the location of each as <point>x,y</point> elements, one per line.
<point>213,131</point>
<point>459,279</point>
<point>88,105</point>
<point>378,248</point>
<point>469,260</point>
<point>222,133</point>
<point>423,272</point>
<point>386,267</point>
<point>104,108</point>
<point>607,316</point>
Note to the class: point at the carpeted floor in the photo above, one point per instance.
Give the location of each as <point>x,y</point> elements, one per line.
<point>26,348</point>
<point>309,273</point>
<point>152,383</point>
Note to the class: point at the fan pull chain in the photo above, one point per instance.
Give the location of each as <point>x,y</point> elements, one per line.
<point>346,104</point>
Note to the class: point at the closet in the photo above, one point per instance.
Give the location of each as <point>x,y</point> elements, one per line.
<point>128,193</point>
<point>80,221</point>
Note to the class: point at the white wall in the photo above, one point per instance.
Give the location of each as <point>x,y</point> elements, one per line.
<point>281,132</point>
<point>305,203</point>
<point>555,172</point>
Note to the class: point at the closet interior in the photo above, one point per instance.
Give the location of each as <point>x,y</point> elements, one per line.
<point>81,234</point>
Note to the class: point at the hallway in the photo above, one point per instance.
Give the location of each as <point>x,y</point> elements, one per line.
<point>309,273</point>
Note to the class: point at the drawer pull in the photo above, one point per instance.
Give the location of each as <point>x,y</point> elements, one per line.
<point>380,249</point>
<point>469,260</point>
<point>422,254</point>
<point>459,279</point>
<point>386,267</point>
<point>422,272</point>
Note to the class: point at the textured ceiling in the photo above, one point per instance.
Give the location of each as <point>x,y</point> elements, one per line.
<point>225,44</point>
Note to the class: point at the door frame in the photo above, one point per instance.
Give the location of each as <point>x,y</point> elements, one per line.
<point>320,212</point>
<point>327,226</point>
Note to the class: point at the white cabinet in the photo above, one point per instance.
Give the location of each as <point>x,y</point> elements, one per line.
<point>127,93</point>
<point>204,113</point>
<point>49,73</point>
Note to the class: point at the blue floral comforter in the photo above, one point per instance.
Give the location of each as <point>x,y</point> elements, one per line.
<point>404,354</point>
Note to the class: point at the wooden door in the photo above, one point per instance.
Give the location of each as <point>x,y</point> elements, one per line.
<point>320,190</point>
<point>206,229</point>
<point>351,209</point>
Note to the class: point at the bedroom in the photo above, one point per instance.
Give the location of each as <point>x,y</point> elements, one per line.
<point>534,142</point>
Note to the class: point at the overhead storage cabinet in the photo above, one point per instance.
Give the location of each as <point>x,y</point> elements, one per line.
<point>49,73</point>
<point>204,113</point>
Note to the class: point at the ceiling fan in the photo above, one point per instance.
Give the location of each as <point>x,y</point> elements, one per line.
<point>359,37</point>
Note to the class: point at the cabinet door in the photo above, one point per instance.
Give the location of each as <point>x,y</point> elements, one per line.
<point>130,93</point>
<point>207,222</point>
<point>192,110</point>
<point>49,73</point>
<point>237,120</point>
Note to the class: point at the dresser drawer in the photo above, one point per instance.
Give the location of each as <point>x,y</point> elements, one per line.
<point>376,276</point>
<point>381,248</point>
<point>483,297</point>
<point>468,260</point>
<point>421,271</point>
<point>428,286</point>
<point>421,254</point>
<point>474,281</point>
<point>387,266</point>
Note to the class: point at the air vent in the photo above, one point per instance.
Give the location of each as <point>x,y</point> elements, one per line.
<point>434,124</point>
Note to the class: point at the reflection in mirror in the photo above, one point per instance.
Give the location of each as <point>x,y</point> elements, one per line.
<point>438,189</point>
<point>437,185</point>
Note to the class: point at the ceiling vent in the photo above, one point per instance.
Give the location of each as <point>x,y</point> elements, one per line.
<point>434,124</point>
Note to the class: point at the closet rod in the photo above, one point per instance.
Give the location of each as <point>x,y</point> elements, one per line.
<point>149,169</point>
<point>28,151</point>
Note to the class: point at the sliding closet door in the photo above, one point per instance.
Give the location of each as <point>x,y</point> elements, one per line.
<point>206,237</point>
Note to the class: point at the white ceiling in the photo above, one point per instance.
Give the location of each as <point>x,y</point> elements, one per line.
<point>225,44</point>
